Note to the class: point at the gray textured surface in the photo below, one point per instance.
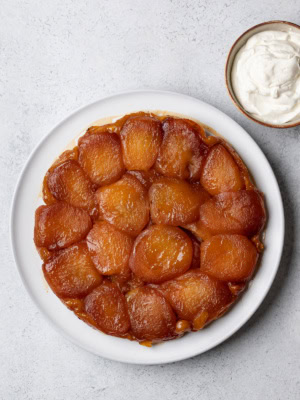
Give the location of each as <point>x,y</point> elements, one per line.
<point>58,55</point>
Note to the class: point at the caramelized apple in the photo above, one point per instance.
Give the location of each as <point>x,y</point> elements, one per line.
<point>109,248</point>
<point>122,280</point>
<point>202,194</point>
<point>59,225</point>
<point>194,293</point>
<point>228,257</point>
<point>175,202</point>
<point>140,138</point>
<point>199,230</point>
<point>68,155</point>
<point>124,204</point>
<point>196,252</point>
<point>182,326</point>
<point>68,182</point>
<point>151,316</point>
<point>182,152</point>
<point>71,273</point>
<point>160,253</point>
<point>100,156</point>
<point>107,306</point>
<point>220,172</point>
<point>240,212</point>
<point>145,177</point>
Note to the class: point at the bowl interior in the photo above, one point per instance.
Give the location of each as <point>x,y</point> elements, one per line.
<point>239,43</point>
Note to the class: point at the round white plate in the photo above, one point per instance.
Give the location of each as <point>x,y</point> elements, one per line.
<point>29,263</point>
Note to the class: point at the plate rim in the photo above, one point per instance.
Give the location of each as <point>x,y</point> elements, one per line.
<point>21,272</point>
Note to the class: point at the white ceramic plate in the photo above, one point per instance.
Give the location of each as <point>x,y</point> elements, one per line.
<point>29,264</point>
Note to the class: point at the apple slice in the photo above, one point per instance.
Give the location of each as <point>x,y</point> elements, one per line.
<point>109,248</point>
<point>240,212</point>
<point>151,316</point>
<point>141,138</point>
<point>71,273</point>
<point>59,225</point>
<point>68,182</point>
<point>195,293</point>
<point>106,305</point>
<point>100,156</point>
<point>229,258</point>
<point>175,202</point>
<point>124,204</point>
<point>182,152</point>
<point>220,172</point>
<point>160,253</point>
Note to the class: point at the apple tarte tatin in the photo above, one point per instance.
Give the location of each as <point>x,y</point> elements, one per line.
<point>151,227</point>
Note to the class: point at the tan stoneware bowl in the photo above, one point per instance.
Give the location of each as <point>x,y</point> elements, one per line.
<point>265,26</point>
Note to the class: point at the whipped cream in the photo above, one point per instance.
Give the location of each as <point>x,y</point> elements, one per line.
<point>266,76</point>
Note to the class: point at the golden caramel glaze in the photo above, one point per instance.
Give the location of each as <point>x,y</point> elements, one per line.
<point>71,272</point>
<point>68,182</point>
<point>141,138</point>
<point>182,326</point>
<point>182,152</point>
<point>146,178</point>
<point>160,253</point>
<point>100,156</point>
<point>151,316</point>
<point>220,172</point>
<point>110,248</point>
<point>106,305</point>
<point>124,204</point>
<point>242,212</point>
<point>194,292</point>
<point>68,155</point>
<point>230,258</point>
<point>59,225</point>
<point>152,227</point>
<point>175,202</point>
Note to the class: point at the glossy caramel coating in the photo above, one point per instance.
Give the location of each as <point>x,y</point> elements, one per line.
<point>126,281</point>
<point>68,155</point>
<point>72,273</point>
<point>194,292</point>
<point>196,252</point>
<point>175,202</point>
<point>110,248</point>
<point>146,178</point>
<point>59,225</point>
<point>220,172</point>
<point>183,151</point>
<point>68,182</point>
<point>106,305</point>
<point>241,212</point>
<point>160,253</point>
<point>151,316</point>
<point>141,138</point>
<point>229,258</point>
<point>100,156</point>
<point>199,230</point>
<point>124,204</point>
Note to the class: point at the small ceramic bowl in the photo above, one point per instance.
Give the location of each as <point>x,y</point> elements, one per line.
<point>241,41</point>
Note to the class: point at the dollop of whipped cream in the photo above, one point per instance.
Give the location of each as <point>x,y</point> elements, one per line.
<point>266,76</point>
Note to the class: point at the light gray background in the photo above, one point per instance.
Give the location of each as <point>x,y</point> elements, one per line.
<point>58,55</point>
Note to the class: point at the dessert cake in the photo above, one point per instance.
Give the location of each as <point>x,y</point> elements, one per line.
<point>151,228</point>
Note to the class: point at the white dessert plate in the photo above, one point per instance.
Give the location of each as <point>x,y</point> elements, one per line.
<point>27,198</point>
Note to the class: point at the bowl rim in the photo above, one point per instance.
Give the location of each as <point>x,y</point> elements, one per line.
<point>229,84</point>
